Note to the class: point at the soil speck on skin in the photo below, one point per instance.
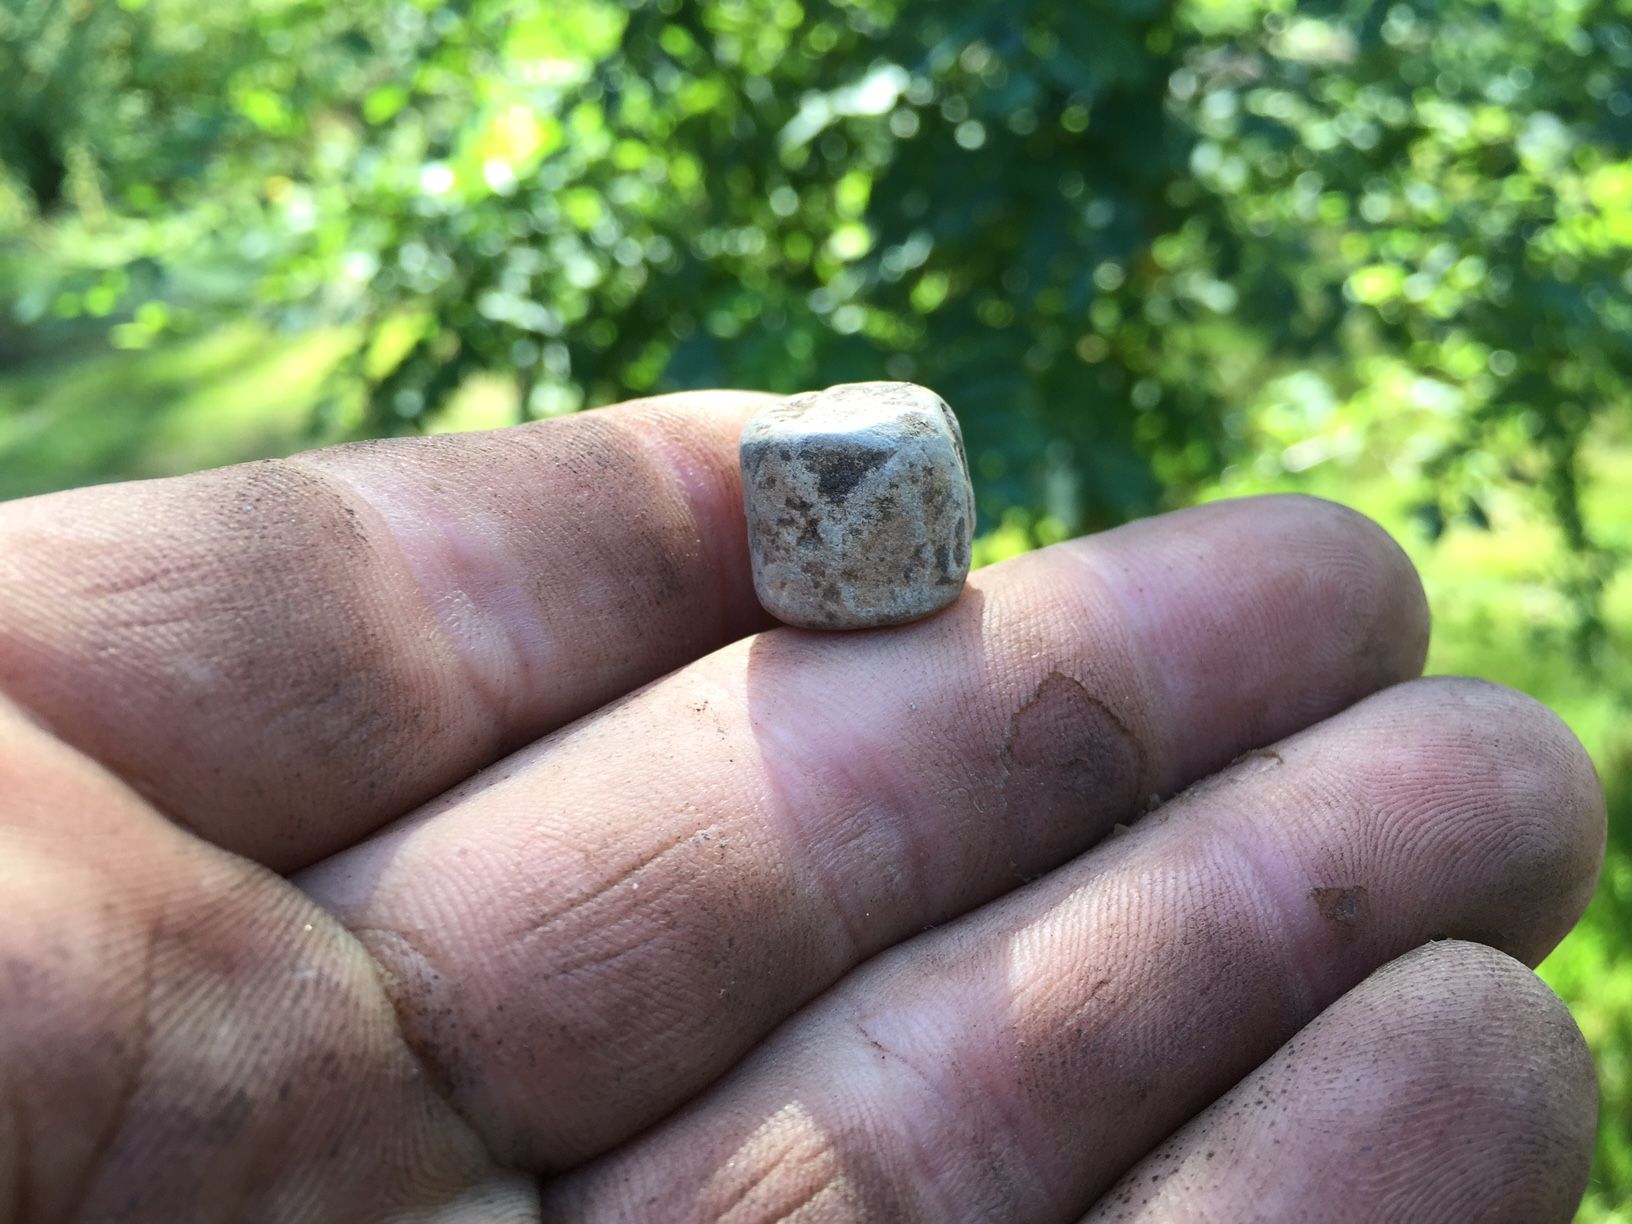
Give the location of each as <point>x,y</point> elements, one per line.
<point>1340,905</point>
<point>1064,740</point>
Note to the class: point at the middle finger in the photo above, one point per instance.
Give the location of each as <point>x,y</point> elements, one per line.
<point>595,930</point>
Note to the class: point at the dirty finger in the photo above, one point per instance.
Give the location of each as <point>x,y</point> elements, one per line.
<point>1016,1064</point>
<point>284,656</point>
<point>595,930</point>
<point>1450,1085</point>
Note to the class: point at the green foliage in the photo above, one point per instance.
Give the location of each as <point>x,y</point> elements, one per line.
<point>1098,228</point>
<point>1462,176</point>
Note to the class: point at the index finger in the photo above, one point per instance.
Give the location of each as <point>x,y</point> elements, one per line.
<point>284,656</point>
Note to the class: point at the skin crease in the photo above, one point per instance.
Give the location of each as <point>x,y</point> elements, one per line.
<point>432,831</point>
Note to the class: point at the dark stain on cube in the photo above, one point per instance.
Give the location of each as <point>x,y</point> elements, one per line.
<point>837,474</point>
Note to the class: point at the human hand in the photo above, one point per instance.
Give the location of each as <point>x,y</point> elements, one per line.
<point>350,875</point>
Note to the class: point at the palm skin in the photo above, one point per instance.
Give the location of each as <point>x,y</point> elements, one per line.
<point>436,830</point>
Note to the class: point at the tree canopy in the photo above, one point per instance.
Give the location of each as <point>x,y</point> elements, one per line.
<point>1101,230</point>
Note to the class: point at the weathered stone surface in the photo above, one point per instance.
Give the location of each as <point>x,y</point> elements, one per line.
<point>860,511</point>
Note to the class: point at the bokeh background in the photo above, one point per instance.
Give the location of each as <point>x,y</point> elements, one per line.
<point>1152,252</point>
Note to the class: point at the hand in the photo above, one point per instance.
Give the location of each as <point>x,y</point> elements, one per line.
<point>350,874</point>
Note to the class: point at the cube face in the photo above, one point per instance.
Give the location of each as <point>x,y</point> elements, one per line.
<point>860,510</point>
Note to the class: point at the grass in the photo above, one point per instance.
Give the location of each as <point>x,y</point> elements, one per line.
<point>242,393</point>
<point>237,394</point>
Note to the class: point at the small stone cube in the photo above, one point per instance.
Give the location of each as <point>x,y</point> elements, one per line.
<point>860,511</point>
